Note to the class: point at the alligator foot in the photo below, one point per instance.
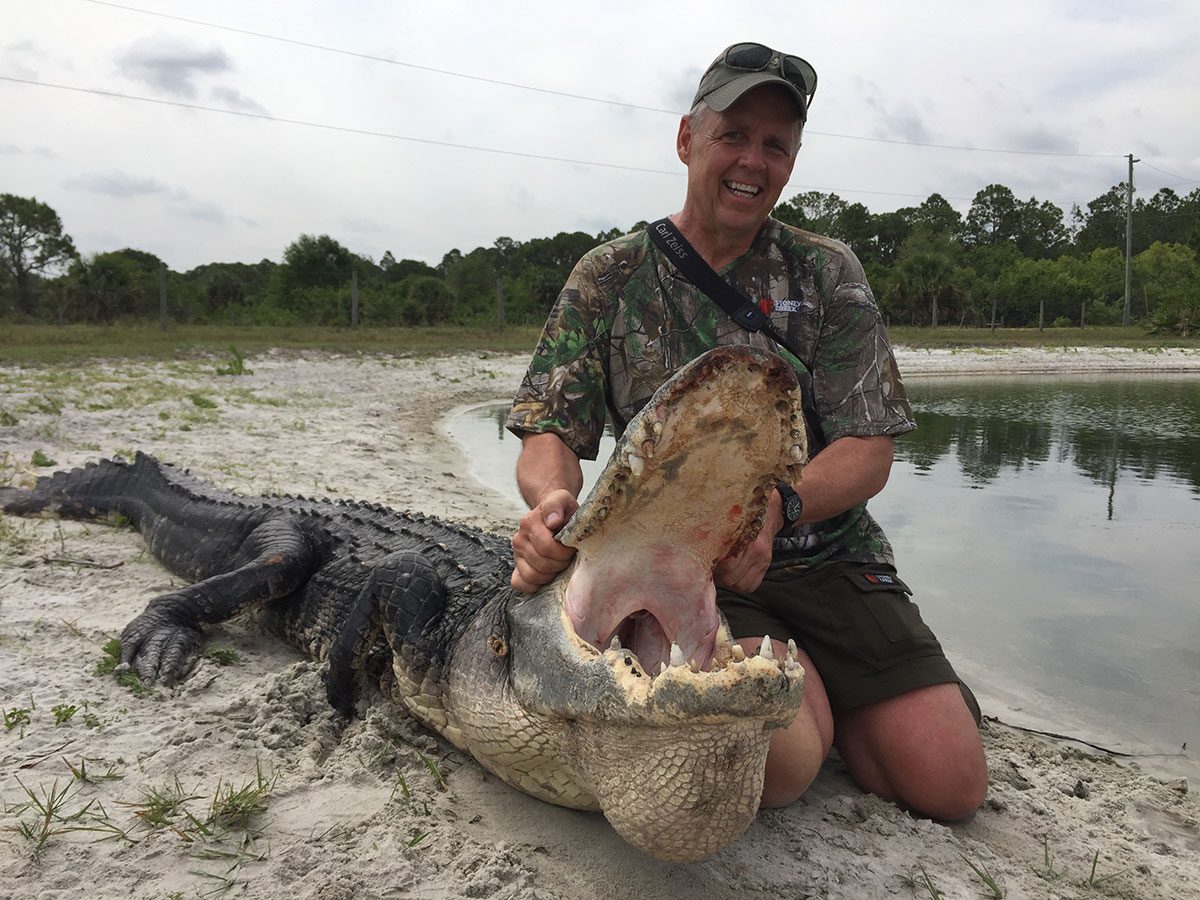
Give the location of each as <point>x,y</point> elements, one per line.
<point>161,643</point>
<point>401,600</point>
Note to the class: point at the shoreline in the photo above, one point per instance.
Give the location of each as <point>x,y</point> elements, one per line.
<point>337,822</point>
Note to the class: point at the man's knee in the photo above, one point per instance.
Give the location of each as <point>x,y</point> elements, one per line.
<point>793,761</point>
<point>921,750</point>
<point>952,787</point>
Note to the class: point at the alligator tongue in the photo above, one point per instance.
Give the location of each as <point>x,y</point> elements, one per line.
<point>684,488</point>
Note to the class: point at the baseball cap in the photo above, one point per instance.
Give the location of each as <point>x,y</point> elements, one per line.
<point>747,65</point>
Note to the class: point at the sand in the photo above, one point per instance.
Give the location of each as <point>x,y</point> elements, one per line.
<point>380,807</point>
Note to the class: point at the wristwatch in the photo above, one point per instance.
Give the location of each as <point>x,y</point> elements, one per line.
<point>792,505</point>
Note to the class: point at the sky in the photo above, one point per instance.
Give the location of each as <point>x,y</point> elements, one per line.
<point>418,128</point>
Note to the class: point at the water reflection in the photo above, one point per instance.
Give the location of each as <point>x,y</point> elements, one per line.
<point>1049,527</point>
<point>1143,425</point>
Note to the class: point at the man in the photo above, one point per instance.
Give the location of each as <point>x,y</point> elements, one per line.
<point>878,685</point>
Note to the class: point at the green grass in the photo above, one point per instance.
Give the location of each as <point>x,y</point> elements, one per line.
<point>949,337</point>
<point>76,343</point>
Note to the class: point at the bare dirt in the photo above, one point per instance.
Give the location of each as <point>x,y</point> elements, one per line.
<point>379,807</point>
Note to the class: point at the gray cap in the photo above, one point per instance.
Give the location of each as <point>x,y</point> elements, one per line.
<point>745,66</point>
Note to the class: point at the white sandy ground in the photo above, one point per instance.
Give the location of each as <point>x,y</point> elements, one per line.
<point>354,811</point>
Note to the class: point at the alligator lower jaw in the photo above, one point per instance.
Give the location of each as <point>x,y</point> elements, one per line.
<point>679,793</point>
<point>559,675</point>
<point>763,687</point>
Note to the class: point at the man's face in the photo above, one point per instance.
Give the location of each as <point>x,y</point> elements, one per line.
<point>739,160</point>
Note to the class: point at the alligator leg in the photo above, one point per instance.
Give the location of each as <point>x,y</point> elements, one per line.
<point>160,644</point>
<point>402,597</point>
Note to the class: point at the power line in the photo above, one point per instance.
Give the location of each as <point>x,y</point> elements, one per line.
<point>363,131</point>
<point>381,59</point>
<point>541,90</point>
<point>116,95</point>
<point>1172,174</point>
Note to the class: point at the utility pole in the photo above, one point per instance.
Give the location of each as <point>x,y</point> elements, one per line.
<point>500,304</point>
<point>354,298</point>
<point>162,297</point>
<point>1128,239</point>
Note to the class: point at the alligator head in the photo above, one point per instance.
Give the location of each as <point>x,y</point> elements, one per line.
<point>668,719</point>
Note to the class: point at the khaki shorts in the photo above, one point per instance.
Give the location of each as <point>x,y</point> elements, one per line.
<point>856,622</point>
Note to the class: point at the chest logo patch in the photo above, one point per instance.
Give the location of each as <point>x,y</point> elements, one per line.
<point>768,306</point>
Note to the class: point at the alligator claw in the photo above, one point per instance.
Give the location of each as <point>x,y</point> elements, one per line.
<point>158,646</point>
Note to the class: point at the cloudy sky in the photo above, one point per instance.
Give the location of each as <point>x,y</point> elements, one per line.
<point>421,127</point>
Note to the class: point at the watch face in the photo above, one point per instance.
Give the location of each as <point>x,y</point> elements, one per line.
<point>792,508</point>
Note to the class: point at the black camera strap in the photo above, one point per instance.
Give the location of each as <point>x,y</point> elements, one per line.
<point>740,308</point>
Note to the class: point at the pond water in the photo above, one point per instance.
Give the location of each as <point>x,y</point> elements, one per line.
<point>1050,527</point>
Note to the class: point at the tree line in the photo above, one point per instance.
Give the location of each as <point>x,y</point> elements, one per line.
<point>1008,262</point>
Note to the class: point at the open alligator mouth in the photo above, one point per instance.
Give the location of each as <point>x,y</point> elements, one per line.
<point>670,720</point>
<point>686,486</point>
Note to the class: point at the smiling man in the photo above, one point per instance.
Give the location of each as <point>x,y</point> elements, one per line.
<point>821,571</point>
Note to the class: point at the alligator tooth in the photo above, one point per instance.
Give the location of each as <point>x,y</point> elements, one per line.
<point>767,650</point>
<point>722,635</point>
<point>738,653</point>
<point>692,665</point>
<point>658,427</point>
<point>615,643</point>
<point>676,655</point>
<point>793,653</point>
<point>797,452</point>
<point>636,464</point>
<point>662,667</point>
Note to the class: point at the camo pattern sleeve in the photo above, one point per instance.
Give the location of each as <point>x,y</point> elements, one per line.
<point>563,391</point>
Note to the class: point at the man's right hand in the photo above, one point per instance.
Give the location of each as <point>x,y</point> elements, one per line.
<point>539,555</point>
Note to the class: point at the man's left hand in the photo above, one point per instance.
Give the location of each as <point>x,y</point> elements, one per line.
<point>744,571</point>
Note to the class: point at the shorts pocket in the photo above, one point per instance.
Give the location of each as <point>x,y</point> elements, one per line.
<point>877,622</point>
<point>885,598</point>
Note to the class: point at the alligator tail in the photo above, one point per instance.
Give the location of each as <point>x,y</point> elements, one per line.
<point>99,490</point>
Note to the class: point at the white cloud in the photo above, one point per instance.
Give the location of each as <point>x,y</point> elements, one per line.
<point>171,64</point>
<point>239,188</point>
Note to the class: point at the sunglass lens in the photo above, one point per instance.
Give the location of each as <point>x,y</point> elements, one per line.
<point>748,56</point>
<point>799,73</point>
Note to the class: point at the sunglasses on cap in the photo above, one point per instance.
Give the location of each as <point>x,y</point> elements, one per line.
<point>751,57</point>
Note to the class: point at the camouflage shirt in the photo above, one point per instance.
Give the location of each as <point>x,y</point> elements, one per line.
<point>627,319</point>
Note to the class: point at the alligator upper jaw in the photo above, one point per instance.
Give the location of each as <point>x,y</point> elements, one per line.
<point>685,487</point>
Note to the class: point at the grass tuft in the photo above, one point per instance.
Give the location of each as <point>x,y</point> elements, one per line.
<point>237,366</point>
<point>1048,872</point>
<point>41,459</point>
<point>111,661</point>
<point>994,889</point>
<point>222,656</point>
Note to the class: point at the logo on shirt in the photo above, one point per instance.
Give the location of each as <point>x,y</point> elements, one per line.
<point>880,579</point>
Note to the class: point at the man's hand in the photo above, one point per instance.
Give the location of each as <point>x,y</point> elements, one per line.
<point>744,572</point>
<point>539,555</point>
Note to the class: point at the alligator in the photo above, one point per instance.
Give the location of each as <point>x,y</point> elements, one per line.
<point>617,687</point>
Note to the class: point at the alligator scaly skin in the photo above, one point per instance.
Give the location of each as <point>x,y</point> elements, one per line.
<point>669,745</point>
